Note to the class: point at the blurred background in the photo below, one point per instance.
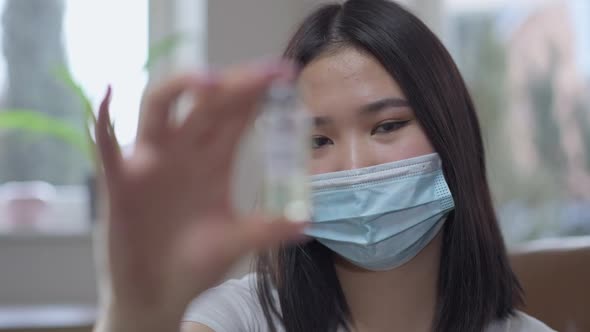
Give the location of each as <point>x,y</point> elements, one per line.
<point>527,64</point>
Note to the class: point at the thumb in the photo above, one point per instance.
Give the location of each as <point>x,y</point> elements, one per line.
<point>261,233</point>
<point>213,249</point>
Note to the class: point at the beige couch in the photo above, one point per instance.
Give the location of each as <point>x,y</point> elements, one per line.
<point>555,275</point>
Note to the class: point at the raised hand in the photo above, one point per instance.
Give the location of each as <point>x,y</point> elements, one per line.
<point>171,229</point>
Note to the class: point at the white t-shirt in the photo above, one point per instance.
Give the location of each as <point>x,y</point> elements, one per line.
<point>234,307</point>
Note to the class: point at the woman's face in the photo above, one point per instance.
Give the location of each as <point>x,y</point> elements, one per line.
<point>361,116</point>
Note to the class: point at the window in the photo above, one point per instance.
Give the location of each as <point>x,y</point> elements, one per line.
<point>98,43</point>
<point>107,43</point>
<point>527,64</point>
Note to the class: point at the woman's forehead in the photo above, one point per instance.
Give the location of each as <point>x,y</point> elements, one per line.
<point>347,78</point>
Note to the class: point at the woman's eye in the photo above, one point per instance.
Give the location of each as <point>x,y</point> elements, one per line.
<point>320,141</point>
<point>388,127</point>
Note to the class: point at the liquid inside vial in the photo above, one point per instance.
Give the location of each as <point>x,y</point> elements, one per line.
<point>286,130</point>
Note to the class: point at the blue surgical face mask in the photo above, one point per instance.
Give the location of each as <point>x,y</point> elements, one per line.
<point>382,216</point>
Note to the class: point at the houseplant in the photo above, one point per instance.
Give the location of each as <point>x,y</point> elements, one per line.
<point>39,124</point>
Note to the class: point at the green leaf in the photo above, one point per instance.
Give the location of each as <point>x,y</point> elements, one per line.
<point>63,73</point>
<point>39,123</point>
<point>65,76</point>
<point>162,48</point>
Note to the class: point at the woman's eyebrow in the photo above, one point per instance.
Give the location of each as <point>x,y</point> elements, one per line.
<point>320,121</point>
<point>371,108</point>
<point>382,104</point>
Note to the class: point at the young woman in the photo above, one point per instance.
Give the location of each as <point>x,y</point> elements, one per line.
<point>404,236</point>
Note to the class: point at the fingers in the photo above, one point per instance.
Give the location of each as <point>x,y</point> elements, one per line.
<point>106,140</point>
<point>230,96</point>
<point>197,123</point>
<point>235,101</point>
<point>154,119</point>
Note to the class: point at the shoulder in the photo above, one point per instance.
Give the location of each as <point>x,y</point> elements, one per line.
<point>231,306</point>
<point>519,322</point>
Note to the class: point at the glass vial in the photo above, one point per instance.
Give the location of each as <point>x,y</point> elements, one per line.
<point>285,146</point>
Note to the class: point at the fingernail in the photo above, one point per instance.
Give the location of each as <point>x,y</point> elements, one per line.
<point>106,100</point>
<point>108,94</point>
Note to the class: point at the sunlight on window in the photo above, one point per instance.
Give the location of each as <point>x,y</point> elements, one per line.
<point>107,43</point>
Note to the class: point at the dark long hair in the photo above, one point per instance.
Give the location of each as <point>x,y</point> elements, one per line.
<point>476,284</point>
